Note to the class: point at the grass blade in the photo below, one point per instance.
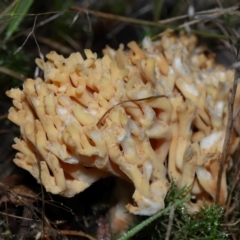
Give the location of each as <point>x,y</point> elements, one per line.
<point>20,9</point>
<point>143,224</point>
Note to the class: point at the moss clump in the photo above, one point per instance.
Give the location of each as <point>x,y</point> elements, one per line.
<point>204,225</point>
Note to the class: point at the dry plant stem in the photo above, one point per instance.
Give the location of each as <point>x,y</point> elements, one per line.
<point>116,17</point>
<point>89,22</point>
<point>230,195</point>
<point>229,130</point>
<point>4,116</point>
<point>232,207</point>
<point>8,8</point>
<point>12,73</point>
<point>74,44</point>
<point>228,37</point>
<point>39,14</point>
<point>236,115</point>
<point>6,130</point>
<point>219,3</point>
<point>142,22</point>
<point>170,223</point>
<point>127,101</point>
<point>14,216</point>
<point>119,26</point>
<point>190,23</point>
<point>229,208</point>
<point>25,225</point>
<point>55,45</point>
<point>38,161</point>
<point>76,233</point>
<point>236,181</point>
<point>202,13</point>
<point>33,35</point>
<point>232,10</point>
<point>19,195</point>
<point>231,224</point>
<point>40,24</point>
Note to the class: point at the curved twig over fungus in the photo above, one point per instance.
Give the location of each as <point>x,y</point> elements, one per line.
<point>180,135</point>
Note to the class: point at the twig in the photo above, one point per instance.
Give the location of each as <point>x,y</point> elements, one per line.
<point>117,17</point>
<point>202,14</point>
<point>37,152</point>
<point>219,3</point>
<point>228,209</point>
<point>12,73</point>
<point>235,117</point>
<point>231,224</point>
<point>89,22</point>
<point>76,233</point>
<point>8,8</point>
<point>40,24</point>
<point>74,44</point>
<point>229,128</point>
<point>119,26</point>
<point>170,223</point>
<point>2,131</point>
<point>161,23</point>
<point>33,34</point>
<point>14,216</point>
<point>236,181</point>
<point>225,32</point>
<point>25,225</point>
<point>127,101</point>
<point>55,45</point>
<point>56,15</point>
<point>143,22</point>
<point>4,116</point>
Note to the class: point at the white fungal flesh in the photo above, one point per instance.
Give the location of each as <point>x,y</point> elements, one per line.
<point>204,174</point>
<point>148,168</point>
<point>150,207</point>
<point>210,140</point>
<point>61,110</point>
<point>72,160</point>
<point>191,88</point>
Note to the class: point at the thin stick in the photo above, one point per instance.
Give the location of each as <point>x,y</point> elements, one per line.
<point>143,22</point>
<point>40,24</point>
<point>8,9</point>
<point>12,73</point>
<point>14,216</point>
<point>170,223</point>
<point>126,101</point>
<point>4,116</point>
<point>116,17</point>
<point>236,181</point>
<point>231,224</point>
<point>76,233</point>
<point>54,44</point>
<point>229,128</point>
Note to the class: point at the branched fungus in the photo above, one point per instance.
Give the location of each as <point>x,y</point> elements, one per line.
<point>146,115</point>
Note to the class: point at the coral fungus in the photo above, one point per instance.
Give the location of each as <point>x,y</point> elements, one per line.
<point>145,115</point>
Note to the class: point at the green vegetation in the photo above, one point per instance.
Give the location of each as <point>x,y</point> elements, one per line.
<point>204,225</point>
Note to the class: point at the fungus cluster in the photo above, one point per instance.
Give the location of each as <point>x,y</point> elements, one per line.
<point>146,115</point>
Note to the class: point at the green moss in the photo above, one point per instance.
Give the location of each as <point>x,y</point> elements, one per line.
<point>204,225</point>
